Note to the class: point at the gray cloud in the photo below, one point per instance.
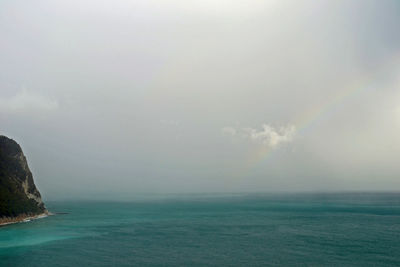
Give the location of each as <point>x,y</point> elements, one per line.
<point>131,96</point>
<point>26,101</point>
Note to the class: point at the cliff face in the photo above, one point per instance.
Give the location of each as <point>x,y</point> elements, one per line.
<point>18,194</point>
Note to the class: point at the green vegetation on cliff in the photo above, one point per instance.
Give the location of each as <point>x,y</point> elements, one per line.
<point>18,193</point>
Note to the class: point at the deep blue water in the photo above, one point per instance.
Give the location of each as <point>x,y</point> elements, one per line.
<point>212,230</point>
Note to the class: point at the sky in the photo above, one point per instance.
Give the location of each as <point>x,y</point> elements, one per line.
<point>112,98</point>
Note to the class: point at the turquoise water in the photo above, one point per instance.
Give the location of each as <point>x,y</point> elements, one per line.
<point>212,230</point>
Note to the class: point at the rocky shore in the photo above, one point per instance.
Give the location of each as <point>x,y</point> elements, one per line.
<point>22,218</point>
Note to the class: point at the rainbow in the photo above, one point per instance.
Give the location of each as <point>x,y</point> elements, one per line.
<point>310,118</point>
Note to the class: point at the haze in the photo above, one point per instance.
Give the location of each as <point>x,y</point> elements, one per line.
<point>115,98</point>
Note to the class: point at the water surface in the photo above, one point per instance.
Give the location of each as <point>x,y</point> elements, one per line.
<point>212,230</point>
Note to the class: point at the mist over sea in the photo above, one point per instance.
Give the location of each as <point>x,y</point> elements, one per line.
<point>348,229</point>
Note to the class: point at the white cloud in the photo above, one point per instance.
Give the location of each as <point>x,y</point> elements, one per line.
<point>25,101</point>
<point>268,136</point>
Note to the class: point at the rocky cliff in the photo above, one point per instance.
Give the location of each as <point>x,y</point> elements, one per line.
<point>19,197</point>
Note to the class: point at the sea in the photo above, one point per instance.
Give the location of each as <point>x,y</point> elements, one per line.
<point>305,229</point>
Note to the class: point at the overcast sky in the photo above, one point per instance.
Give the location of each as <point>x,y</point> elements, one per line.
<point>120,97</point>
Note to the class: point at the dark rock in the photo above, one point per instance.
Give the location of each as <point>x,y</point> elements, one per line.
<point>18,193</point>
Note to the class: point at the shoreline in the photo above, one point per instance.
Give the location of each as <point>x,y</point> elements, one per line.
<point>23,218</point>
